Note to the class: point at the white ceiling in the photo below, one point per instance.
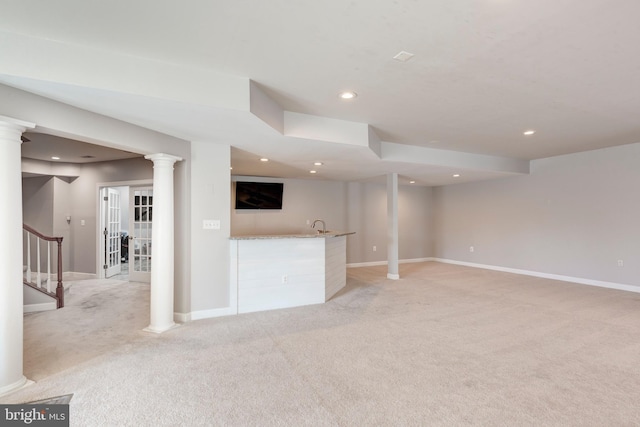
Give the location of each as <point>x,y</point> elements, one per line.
<point>42,146</point>
<point>483,72</point>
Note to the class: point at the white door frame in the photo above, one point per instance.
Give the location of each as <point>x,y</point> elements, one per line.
<point>98,232</point>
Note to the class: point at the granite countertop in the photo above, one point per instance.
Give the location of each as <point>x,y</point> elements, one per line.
<point>294,236</point>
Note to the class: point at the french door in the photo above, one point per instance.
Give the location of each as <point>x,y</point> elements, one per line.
<point>111,232</point>
<point>140,227</point>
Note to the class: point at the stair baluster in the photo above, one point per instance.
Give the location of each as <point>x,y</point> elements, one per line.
<point>59,291</point>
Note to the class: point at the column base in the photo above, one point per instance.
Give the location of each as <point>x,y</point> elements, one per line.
<point>157,330</point>
<point>18,385</point>
<point>393,276</point>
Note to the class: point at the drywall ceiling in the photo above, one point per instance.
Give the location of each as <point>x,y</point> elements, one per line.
<point>45,147</point>
<point>483,72</point>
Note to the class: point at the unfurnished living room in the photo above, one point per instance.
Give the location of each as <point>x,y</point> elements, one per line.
<point>320,213</point>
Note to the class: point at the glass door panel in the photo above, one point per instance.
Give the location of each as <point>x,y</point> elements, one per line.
<point>140,240</point>
<point>111,232</point>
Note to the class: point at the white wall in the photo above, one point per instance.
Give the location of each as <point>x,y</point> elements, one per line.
<point>182,238</point>
<point>302,200</point>
<point>367,206</point>
<point>415,222</point>
<point>575,215</point>
<point>62,208</point>
<point>209,251</point>
<point>37,212</point>
<point>37,203</point>
<point>354,206</point>
<point>45,205</point>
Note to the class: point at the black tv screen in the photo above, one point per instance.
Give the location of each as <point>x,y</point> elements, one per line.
<point>258,195</point>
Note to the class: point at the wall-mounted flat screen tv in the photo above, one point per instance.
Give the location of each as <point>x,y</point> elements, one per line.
<point>258,195</point>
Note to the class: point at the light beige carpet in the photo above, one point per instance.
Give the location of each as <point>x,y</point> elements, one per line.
<point>445,345</point>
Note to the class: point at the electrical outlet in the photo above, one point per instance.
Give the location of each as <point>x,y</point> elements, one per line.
<point>285,278</point>
<point>375,249</point>
<point>620,263</point>
<point>471,249</point>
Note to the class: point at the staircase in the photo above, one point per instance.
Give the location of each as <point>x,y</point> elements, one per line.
<point>37,271</point>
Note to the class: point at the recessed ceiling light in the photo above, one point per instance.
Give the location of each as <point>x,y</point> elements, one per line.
<point>87,156</point>
<point>457,175</point>
<point>313,172</point>
<point>317,163</point>
<point>55,158</point>
<point>264,159</point>
<point>403,56</point>
<point>529,132</point>
<point>347,95</point>
<point>412,182</point>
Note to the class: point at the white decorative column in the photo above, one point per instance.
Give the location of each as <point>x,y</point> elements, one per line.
<point>392,226</point>
<point>162,260</point>
<point>11,304</point>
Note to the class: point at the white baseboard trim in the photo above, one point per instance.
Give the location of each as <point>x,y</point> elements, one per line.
<point>579,280</point>
<point>393,276</point>
<point>408,261</point>
<point>366,264</point>
<point>377,263</point>
<point>215,312</point>
<point>73,275</point>
<point>182,317</point>
<point>45,306</point>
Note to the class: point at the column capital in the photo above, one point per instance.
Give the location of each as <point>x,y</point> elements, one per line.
<point>19,125</point>
<point>163,157</point>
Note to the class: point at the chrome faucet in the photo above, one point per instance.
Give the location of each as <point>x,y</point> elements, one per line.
<point>324,227</point>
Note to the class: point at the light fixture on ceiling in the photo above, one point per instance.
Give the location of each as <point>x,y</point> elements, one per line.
<point>317,163</point>
<point>313,172</point>
<point>347,95</point>
<point>264,159</point>
<point>412,182</point>
<point>403,56</point>
<point>529,132</point>
<point>55,158</point>
<point>457,175</point>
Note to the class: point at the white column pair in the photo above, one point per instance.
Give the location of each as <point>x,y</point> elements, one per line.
<point>11,292</point>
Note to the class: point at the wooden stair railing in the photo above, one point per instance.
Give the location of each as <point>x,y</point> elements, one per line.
<point>27,278</point>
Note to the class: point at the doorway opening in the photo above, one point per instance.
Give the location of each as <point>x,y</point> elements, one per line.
<point>125,232</point>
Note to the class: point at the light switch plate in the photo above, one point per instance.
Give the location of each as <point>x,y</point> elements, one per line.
<point>211,224</point>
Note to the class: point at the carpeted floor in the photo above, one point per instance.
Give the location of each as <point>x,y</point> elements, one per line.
<point>445,345</point>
